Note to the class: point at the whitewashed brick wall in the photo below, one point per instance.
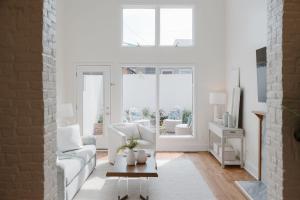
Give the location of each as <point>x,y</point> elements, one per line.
<point>49,93</point>
<point>274,100</point>
<point>27,100</point>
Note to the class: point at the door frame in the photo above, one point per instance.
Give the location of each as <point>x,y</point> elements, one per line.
<point>178,142</point>
<point>96,68</point>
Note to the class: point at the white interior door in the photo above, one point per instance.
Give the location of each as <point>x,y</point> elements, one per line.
<point>93,102</point>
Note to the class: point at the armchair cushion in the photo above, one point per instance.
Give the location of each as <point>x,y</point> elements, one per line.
<point>68,138</point>
<point>146,133</point>
<point>144,144</point>
<point>129,129</point>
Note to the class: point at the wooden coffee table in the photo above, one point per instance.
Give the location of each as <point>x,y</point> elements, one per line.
<point>120,169</point>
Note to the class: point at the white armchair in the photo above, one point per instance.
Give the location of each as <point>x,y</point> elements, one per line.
<point>118,134</point>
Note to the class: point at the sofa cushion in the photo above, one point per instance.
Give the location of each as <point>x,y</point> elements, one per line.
<point>68,138</point>
<point>129,129</point>
<point>85,153</point>
<point>72,167</point>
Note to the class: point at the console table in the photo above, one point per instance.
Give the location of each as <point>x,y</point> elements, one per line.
<point>224,134</point>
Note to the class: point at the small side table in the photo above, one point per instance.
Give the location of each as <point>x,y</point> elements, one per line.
<point>224,134</point>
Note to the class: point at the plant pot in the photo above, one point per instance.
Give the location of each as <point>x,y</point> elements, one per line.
<point>130,157</point>
<point>141,156</point>
<point>98,128</point>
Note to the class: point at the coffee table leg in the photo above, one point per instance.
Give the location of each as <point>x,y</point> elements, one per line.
<point>146,188</point>
<point>119,188</point>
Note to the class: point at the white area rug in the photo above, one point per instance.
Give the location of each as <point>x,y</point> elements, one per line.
<point>178,180</point>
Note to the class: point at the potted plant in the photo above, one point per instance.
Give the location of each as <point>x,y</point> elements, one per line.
<point>98,127</point>
<point>186,114</point>
<point>130,145</point>
<point>146,113</point>
<point>162,116</point>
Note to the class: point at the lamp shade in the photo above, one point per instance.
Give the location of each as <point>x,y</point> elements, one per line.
<point>65,111</point>
<point>217,98</point>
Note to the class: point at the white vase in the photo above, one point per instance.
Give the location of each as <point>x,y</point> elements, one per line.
<point>130,157</point>
<point>225,119</point>
<point>141,156</point>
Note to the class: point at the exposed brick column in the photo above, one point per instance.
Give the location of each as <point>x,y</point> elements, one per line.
<point>283,99</point>
<point>27,100</point>
<point>291,99</point>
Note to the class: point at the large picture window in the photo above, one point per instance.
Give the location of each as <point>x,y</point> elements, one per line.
<point>163,98</point>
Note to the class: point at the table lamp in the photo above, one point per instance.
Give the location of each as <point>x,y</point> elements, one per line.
<point>217,99</point>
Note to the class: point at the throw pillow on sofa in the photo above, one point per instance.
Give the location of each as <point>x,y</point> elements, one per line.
<point>68,138</point>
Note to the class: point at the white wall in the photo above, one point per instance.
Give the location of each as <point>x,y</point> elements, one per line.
<point>89,31</point>
<point>246,31</point>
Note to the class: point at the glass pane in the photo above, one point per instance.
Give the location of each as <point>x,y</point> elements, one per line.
<point>176,26</point>
<point>138,27</point>
<point>139,93</point>
<point>93,104</point>
<point>176,101</point>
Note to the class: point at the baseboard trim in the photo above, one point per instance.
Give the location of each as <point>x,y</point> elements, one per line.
<point>251,169</point>
<point>189,148</point>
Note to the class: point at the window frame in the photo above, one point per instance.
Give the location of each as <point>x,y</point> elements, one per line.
<point>157,9</point>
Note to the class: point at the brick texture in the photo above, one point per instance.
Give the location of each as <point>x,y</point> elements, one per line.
<point>283,99</point>
<point>274,100</point>
<point>27,100</point>
<point>291,99</point>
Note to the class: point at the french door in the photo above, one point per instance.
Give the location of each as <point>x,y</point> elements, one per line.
<point>93,101</point>
<point>161,97</point>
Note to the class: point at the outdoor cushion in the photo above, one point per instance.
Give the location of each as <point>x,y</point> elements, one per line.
<point>129,129</point>
<point>85,153</point>
<point>68,138</point>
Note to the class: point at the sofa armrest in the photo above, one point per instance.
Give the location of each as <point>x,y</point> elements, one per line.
<point>61,181</point>
<point>89,140</point>
<point>147,134</point>
<point>115,140</point>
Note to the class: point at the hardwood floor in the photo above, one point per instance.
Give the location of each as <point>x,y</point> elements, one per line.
<point>219,180</point>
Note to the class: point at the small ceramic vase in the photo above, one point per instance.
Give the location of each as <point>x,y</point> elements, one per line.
<point>141,156</point>
<point>130,157</point>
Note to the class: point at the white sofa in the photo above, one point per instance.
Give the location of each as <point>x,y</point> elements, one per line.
<point>118,134</point>
<point>74,167</point>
